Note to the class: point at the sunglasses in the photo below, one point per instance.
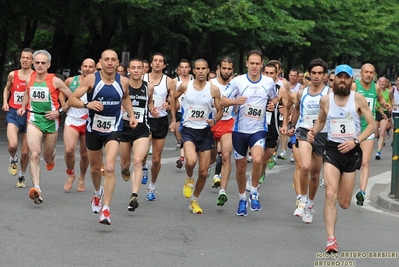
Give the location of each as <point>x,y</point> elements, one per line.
<point>40,62</point>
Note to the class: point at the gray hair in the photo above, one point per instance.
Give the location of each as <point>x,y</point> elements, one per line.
<point>43,52</point>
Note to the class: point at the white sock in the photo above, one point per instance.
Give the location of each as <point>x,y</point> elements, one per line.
<point>310,203</point>
<point>99,192</point>
<point>151,186</point>
<point>106,208</point>
<point>38,187</point>
<point>222,191</point>
<point>194,198</point>
<point>254,190</point>
<point>243,196</point>
<point>298,196</point>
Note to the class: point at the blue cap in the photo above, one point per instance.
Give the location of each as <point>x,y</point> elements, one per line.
<point>344,68</point>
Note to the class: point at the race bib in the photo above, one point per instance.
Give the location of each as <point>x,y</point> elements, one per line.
<point>197,113</point>
<point>39,94</point>
<point>370,102</point>
<point>139,114</point>
<point>103,124</point>
<point>227,111</point>
<point>342,128</point>
<point>18,97</point>
<point>254,112</point>
<point>158,101</point>
<point>309,121</point>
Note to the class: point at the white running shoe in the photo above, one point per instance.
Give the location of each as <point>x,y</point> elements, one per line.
<point>308,216</point>
<point>97,201</point>
<point>300,208</point>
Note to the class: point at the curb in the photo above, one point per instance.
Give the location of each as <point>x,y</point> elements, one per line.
<point>384,201</point>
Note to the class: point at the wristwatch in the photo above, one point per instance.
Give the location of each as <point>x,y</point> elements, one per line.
<point>356,141</point>
<point>85,104</point>
<point>60,111</point>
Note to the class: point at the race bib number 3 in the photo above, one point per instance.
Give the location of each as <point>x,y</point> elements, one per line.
<point>39,94</point>
<point>309,121</point>
<point>103,124</point>
<point>18,97</point>
<point>342,128</point>
<point>254,112</point>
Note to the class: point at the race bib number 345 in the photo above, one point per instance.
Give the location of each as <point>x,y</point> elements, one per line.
<point>103,124</point>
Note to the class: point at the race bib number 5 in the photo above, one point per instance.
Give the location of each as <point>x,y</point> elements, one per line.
<point>103,124</point>
<point>309,121</point>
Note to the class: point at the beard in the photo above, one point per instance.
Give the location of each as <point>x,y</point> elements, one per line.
<point>225,78</point>
<point>342,90</point>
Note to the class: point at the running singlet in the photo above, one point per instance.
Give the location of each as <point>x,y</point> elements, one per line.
<point>228,112</point>
<point>371,98</point>
<point>78,113</point>
<point>343,123</point>
<point>386,95</point>
<point>43,97</point>
<point>159,95</point>
<point>309,108</point>
<point>196,106</point>
<point>179,82</point>
<point>251,116</point>
<point>139,98</point>
<point>18,90</point>
<point>110,95</point>
<point>395,92</point>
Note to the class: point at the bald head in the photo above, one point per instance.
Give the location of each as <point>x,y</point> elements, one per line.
<point>367,73</point>
<point>109,53</point>
<point>368,66</point>
<point>109,61</point>
<point>88,66</point>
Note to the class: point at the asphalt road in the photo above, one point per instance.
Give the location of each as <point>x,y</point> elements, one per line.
<point>64,232</point>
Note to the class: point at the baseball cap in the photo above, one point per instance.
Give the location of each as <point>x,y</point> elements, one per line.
<point>344,68</point>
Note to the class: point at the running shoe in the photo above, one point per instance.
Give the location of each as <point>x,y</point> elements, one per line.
<point>262,178</point>
<point>282,155</point>
<point>188,188</point>
<point>378,155</point>
<point>50,166</point>
<point>216,181</point>
<point>332,245</point>
<point>322,182</point>
<point>97,201</point>
<point>36,195</point>
<point>360,197</point>
<point>249,159</point>
<point>105,217</point>
<point>13,167</point>
<point>271,162</point>
<point>254,201</point>
<point>151,194</point>
<point>308,215</point>
<point>150,151</point>
<point>222,199</point>
<point>292,159</point>
<point>195,207</point>
<point>242,208</point>
<point>144,180</point>
<point>179,162</point>
<point>300,208</point>
<point>125,174</point>
<point>133,204</point>
<point>21,182</point>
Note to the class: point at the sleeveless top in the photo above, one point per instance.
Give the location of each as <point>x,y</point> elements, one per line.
<point>78,113</point>
<point>196,106</point>
<point>343,123</point>
<point>43,96</point>
<point>309,108</point>
<point>385,94</point>
<point>371,98</point>
<point>228,112</point>
<point>139,98</point>
<point>110,95</point>
<point>160,94</point>
<point>179,82</point>
<point>18,90</point>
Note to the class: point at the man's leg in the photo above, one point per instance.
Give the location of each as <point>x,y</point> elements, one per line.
<point>34,139</point>
<point>12,137</point>
<point>71,137</point>
<point>191,161</point>
<point>157,148</point>
<point>84,163</point>
<point>111,152</point>
<point>367,148</point>
<point>226,147</point>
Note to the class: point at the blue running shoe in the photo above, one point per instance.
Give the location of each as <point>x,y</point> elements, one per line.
<point>255,204</point>
<point>151,195</point>
<point>145,176</point>
<point>242,208</point>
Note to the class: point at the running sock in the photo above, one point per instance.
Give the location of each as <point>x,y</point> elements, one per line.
<point>194,198</point>
<point>310,203</point>
<point>243,196</point>
<point>298,196</point>
<point>99,192</point>
<point>38,187</point>
<point>151,185</point>
<point>106,207</point>
<point>218,168</point>
<point>222,191</point>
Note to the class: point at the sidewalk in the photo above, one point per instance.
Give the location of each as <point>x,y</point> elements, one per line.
<point>386,202</point>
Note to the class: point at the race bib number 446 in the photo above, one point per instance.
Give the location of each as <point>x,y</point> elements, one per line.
<point>39,94</point>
